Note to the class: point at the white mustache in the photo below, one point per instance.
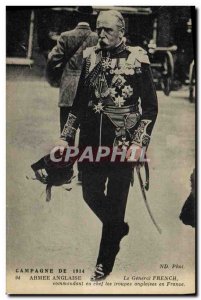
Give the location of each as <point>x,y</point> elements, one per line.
<point>104,40</point>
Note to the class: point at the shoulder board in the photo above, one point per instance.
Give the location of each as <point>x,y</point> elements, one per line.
<point>88,51</point>
<point>140,54</point>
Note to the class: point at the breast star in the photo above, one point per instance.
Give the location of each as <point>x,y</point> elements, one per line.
<point>98,108</point>
<point>119,101</point>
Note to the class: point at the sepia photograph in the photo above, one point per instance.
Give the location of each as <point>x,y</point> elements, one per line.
<point>101,150</point>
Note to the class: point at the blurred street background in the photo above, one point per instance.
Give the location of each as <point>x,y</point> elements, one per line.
<point>167,33</point>
<point>64,232</point>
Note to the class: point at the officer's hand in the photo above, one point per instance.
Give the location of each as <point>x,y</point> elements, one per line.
<point>61,145</point>
<point>134,152</point>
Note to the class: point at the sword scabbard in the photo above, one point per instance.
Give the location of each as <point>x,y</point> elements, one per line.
<point>145,199</point>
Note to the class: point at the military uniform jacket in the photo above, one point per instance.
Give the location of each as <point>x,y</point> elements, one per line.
<point>116,99</point>
<point>65,61</point>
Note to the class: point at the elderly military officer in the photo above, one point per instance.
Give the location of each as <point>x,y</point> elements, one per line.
<point>114,78</point>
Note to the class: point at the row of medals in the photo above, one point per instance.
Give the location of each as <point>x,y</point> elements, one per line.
<point>123,68</point>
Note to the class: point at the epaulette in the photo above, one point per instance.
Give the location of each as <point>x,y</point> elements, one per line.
<point>138,53</point>
<point>88,51</point>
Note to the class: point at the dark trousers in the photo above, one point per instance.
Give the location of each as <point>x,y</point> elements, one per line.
<point>105,190</point>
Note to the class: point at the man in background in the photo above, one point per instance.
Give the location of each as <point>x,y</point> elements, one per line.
<point>65,61</point>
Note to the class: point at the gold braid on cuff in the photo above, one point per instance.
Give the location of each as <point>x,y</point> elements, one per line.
<point>69,130</point>
<point>140,136</point>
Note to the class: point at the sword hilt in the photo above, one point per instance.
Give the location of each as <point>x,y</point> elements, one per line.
<point>146,167</point>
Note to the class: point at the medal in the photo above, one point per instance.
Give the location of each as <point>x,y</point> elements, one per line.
<point>119,101</point>
<point>123,143</point>
<point>98,108</point>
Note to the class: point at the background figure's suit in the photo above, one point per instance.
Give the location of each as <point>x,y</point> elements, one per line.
<point>65,62</point>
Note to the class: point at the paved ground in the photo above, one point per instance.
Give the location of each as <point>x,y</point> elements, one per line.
<point>64,233</point>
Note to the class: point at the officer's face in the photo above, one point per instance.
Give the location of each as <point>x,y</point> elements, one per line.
<point>109,33</point>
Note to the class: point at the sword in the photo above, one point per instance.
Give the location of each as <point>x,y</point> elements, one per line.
<point>143,187</point>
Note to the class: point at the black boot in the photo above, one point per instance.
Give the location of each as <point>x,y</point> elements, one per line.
<point>99,273</point>
<point>109,248</point>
